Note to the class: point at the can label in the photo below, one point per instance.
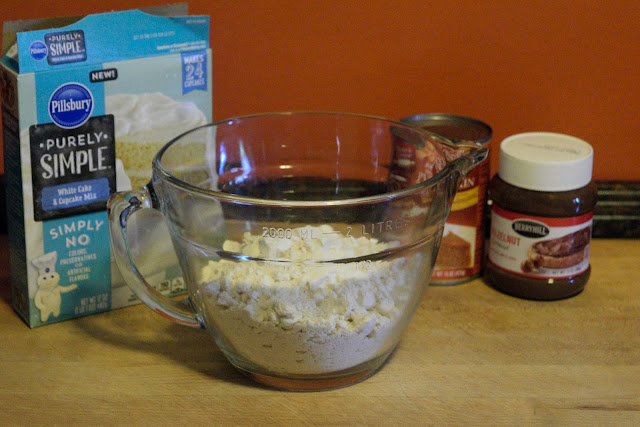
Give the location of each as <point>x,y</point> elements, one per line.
<point>462,246</point>
<point>540,247</point>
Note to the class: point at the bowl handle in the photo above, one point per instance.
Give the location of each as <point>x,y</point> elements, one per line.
<point>120,207</point>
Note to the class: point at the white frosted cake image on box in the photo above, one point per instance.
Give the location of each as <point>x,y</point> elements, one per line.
<point>143,124</point>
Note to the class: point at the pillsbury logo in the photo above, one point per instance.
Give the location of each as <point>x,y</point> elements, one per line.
<point>70,105</point>
<point>38,50</point>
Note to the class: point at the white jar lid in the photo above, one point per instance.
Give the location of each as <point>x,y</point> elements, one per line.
<point>545,161</point>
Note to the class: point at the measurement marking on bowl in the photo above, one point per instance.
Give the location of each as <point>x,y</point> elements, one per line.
<point>304,233</point>
<point>309,232</point>
<point>337,231</point>
<point>277,233</point>
<point>385,226</point>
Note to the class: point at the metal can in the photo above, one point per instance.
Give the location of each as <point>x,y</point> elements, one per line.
<point>461,253</point>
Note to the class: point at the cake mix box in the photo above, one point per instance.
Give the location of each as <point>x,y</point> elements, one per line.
<point>87,103</point>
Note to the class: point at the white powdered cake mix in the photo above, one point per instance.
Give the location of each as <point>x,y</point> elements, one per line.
<point>306,318</point>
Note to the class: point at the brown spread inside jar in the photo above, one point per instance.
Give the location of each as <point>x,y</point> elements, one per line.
<point>544,204</point>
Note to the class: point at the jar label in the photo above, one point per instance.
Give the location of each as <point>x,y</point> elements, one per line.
<point>540,247</point>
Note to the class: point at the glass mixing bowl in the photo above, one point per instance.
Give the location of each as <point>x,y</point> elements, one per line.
<point>305,239</point>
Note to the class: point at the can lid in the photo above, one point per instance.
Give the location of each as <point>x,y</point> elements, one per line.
<point>545,161</point>
<point>456,128</point>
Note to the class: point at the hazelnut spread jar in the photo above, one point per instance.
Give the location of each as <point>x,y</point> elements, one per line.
<point>542,202</point>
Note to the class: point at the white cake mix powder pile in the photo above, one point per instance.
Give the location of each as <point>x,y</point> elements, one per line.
<point>306,318</point>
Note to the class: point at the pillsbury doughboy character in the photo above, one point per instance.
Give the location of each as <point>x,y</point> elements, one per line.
<point>48,296</point>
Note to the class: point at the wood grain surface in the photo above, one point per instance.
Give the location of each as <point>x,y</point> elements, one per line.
<point>470,356</point>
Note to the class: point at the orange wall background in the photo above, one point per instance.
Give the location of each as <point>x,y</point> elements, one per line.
<point>569,66</point>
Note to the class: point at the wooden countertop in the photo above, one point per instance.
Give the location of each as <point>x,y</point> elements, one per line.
<point>471,356</point>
